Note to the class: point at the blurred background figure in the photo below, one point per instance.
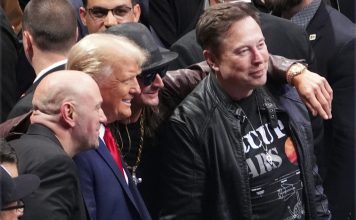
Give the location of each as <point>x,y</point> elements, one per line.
<point>13,190</point>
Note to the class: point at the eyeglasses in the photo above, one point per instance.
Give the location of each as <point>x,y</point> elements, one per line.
<point>99,13</point>
<point>19,207</point>
<point>147,77</point>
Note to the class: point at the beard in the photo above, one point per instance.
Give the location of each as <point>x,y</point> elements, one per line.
<point>279,6</point>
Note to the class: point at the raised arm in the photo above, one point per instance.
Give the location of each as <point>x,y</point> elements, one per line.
<point>313,89</point>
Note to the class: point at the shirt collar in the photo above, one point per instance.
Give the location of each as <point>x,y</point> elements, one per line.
<point>40,74</point>
<point>101,131</point>
<point>303,17</point>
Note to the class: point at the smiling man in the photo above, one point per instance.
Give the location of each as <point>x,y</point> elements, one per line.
<point>229,149</point>
<point>108,189</point>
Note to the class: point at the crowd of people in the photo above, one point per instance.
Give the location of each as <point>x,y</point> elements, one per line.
<point>165,109</point>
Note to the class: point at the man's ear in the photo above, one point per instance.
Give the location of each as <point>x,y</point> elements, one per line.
<point>211,60</point>
<point>27,42</point>
<point>68,114</point>
<point>136,12</point>
<point>83,13</point>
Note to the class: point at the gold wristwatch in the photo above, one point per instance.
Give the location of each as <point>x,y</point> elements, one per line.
<point>294,70</point>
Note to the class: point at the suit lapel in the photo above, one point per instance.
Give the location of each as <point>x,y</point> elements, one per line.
<point>105,154</point>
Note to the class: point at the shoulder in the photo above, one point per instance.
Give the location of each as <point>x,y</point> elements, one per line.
<point>33,151</point>
<point>271,22</point>
<point>333,19</point>
<point>197,109</point>
<point>187,39</point>
<point>87,158</point>
<point>289,101</point>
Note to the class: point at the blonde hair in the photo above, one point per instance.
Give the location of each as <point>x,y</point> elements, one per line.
<point>96,53</point>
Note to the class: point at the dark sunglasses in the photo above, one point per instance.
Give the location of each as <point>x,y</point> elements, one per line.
<point>98,13</point>
<point>147,77</point>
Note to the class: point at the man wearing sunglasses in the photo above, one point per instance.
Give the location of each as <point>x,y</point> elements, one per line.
<point>99,15</point>
<point>132,133</point>
<point>102,188</point>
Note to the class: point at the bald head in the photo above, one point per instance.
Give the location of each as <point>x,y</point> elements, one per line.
<point>69,103</point>
<point>59,87</point>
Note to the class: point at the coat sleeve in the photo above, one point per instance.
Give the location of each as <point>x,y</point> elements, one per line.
<point>56,198</point>
<point>182,173</point>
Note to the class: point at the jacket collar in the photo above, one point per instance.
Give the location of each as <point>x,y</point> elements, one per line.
<point>39,129</point>
<point>265,100</point>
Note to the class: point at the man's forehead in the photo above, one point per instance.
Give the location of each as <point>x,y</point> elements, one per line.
<point>109,3</point>
<point>126,70</point>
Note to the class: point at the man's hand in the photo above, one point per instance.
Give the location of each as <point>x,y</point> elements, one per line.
<point>315,92</point>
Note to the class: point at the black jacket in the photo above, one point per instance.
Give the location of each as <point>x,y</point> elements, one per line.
<point>59,196</point>
<point>8,61</point>
<point>334,45</point>
<point>24,105</point>
<point>203,170</point>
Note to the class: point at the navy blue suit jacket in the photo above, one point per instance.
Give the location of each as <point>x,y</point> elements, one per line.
<point>106,194</point>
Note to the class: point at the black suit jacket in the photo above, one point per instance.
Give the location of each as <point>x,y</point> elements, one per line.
<point>59,197</point>
<point>333,39</point>
<point>24,105</point>
<point>282,38</point>
<point>8,62</point>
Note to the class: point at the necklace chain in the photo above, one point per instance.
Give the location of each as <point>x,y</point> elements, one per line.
<point>115,128</point>
<point>265,148</point>
<point>140,146</point>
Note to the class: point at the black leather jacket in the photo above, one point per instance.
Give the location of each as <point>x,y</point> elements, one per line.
<point>203,171</point>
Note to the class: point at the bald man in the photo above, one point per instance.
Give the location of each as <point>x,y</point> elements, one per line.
<point>66,120</point>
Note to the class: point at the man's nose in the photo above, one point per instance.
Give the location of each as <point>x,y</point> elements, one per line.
<point>110,20</point>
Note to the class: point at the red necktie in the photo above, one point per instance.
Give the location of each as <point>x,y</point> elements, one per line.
<point>111,145</point>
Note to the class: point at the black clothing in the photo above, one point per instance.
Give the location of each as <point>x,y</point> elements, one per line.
<point>59,196</point>
<point>8,62</point>
<point>171,19</point>
<point>335,45</point>
<point>203,172</point>
<point>282,37</point>
<point>275,182</point>
<point>24,105</point>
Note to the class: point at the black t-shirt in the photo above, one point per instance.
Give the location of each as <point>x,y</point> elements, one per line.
<point>276,187</point>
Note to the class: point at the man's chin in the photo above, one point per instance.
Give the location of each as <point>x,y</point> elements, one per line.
<point>124,115</point>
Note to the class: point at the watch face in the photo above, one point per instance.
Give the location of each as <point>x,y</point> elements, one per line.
<point>297,68</point>
<point>294,70</point>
